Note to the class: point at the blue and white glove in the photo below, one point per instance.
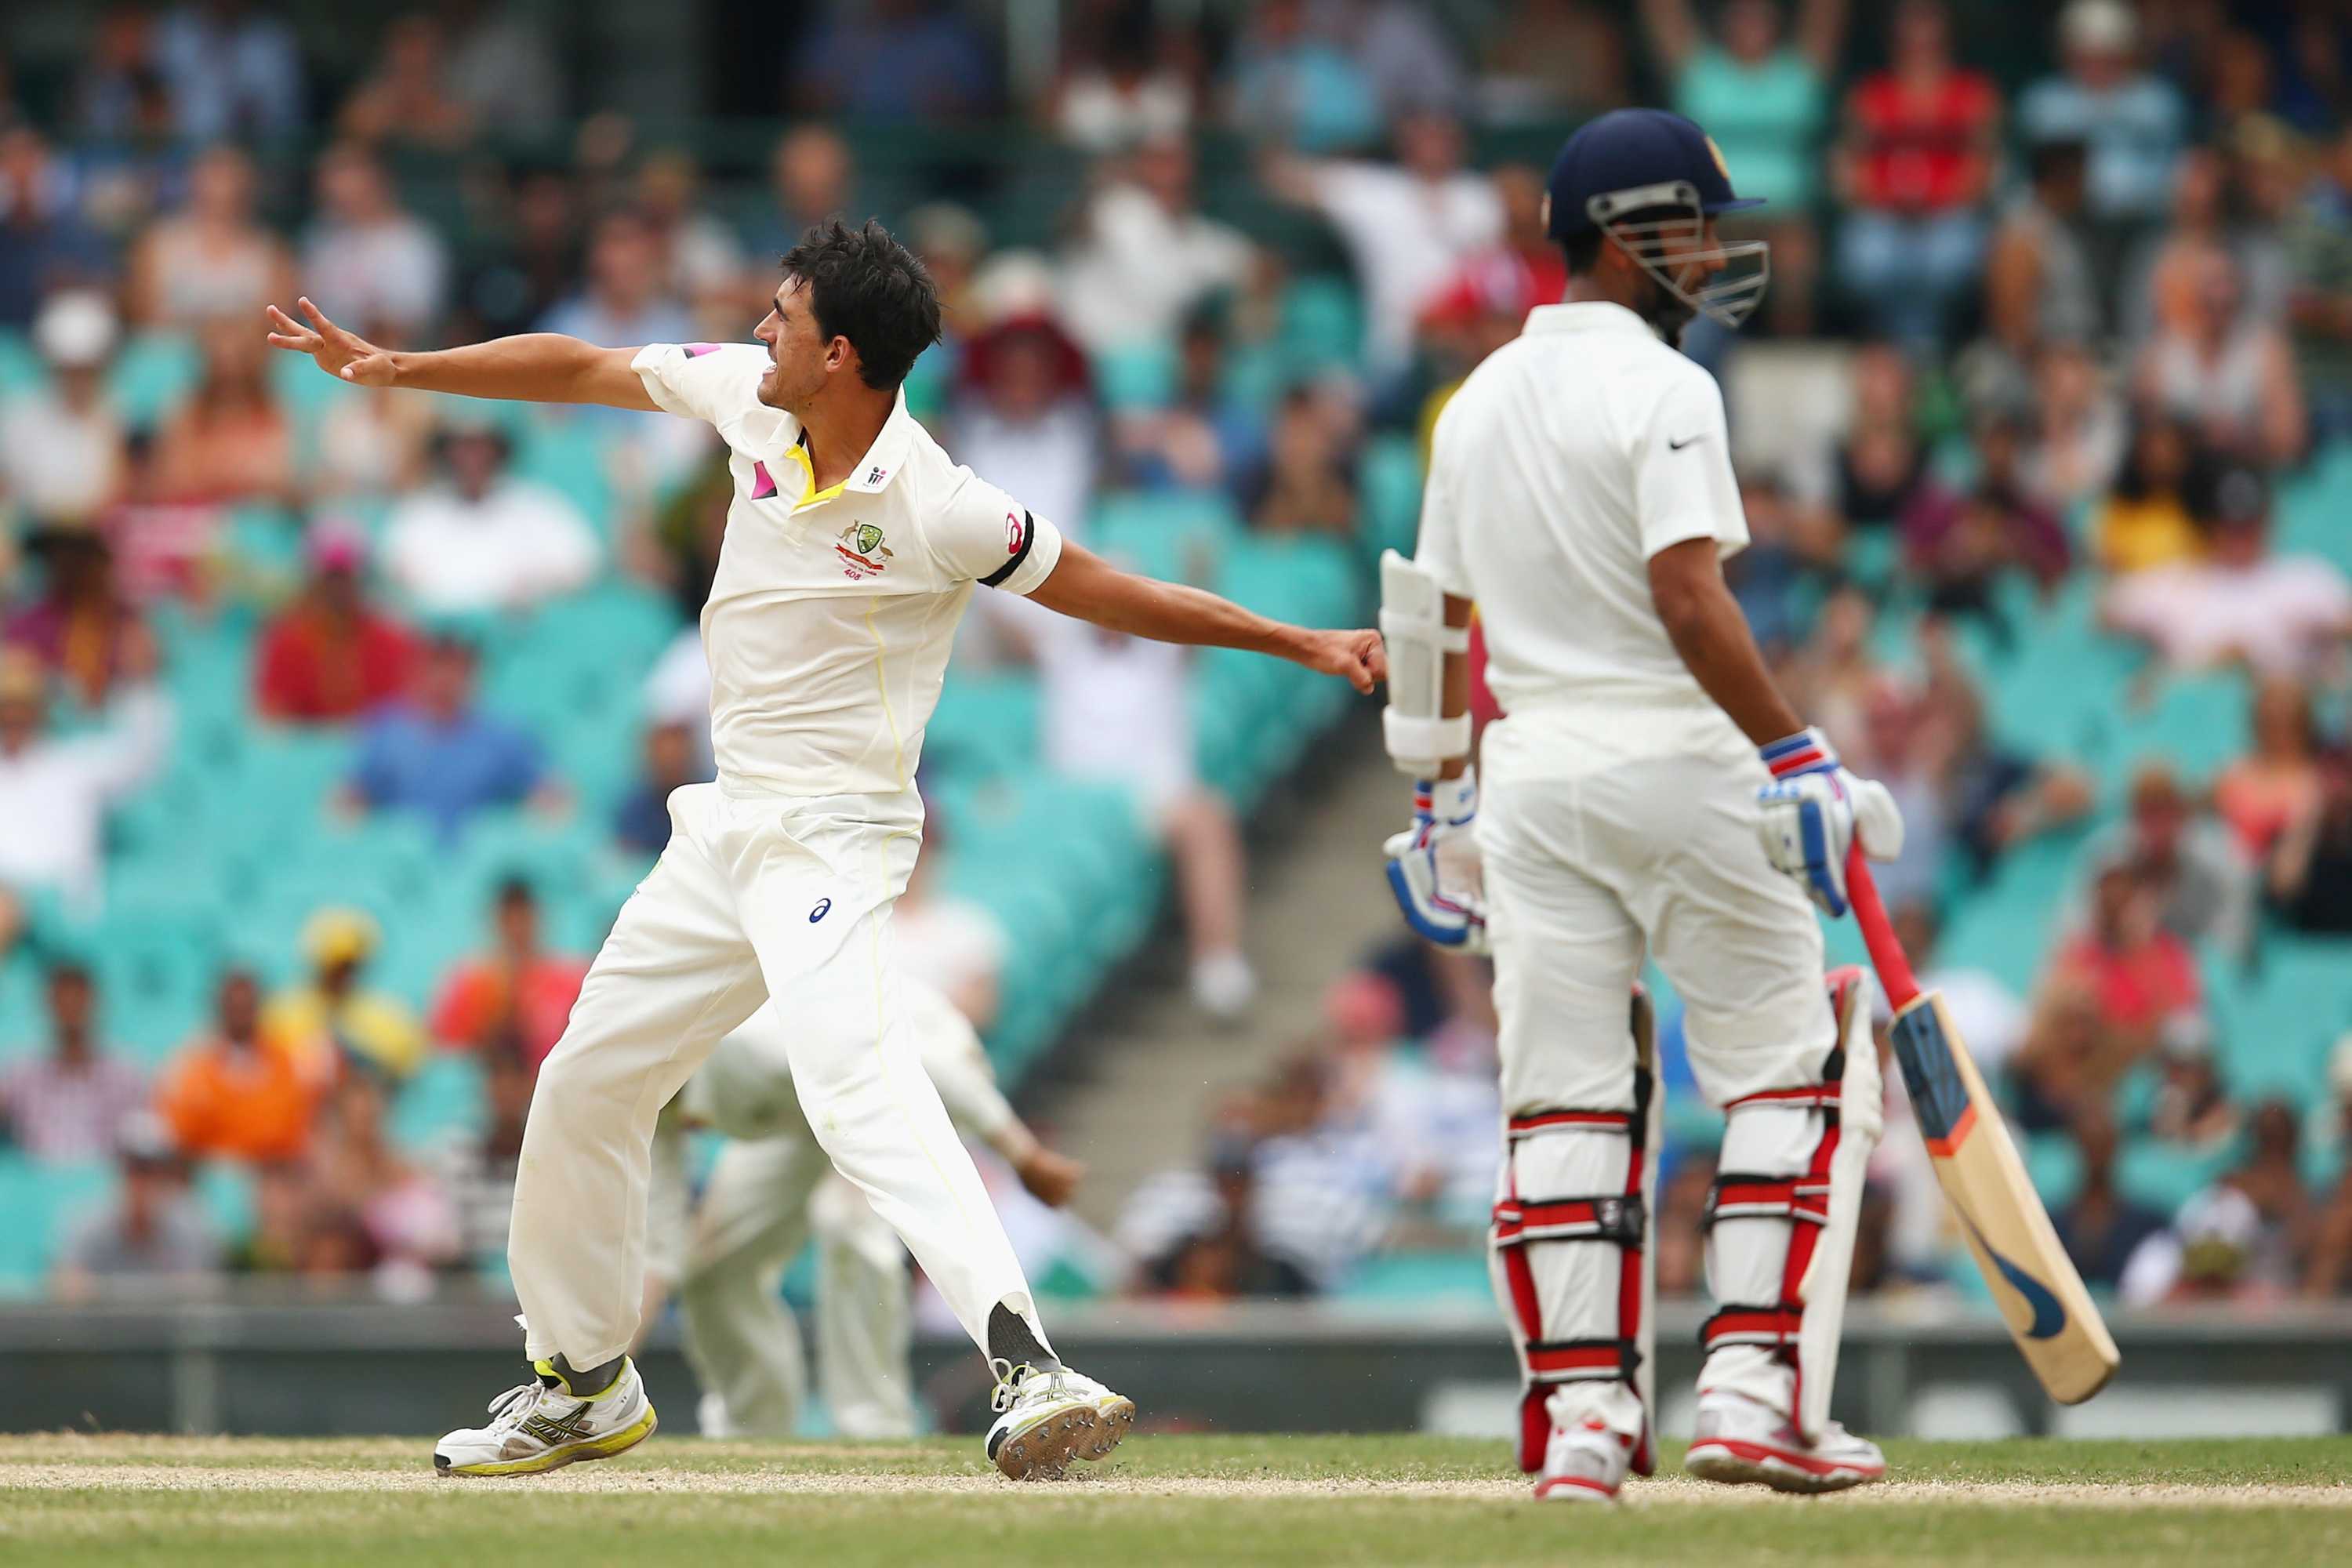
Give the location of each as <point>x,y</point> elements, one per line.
<point>1813,810</point>
<point>1433,866</point>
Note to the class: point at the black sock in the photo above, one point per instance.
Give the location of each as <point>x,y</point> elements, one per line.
<point>1010,1338</point>
<point>591,1381</point>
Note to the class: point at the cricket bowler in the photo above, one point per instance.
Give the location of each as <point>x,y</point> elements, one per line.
<point>853,545</point>
<point>1650,791</point>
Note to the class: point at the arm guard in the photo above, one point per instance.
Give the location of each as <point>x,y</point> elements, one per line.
<point>1413,623</point>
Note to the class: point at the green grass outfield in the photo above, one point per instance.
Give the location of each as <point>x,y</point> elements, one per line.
<point>357,1503</point>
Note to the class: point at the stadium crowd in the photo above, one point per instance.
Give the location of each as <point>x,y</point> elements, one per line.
<point>2060,326</point>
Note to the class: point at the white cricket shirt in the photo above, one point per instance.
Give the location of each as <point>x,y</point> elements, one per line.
<point>1570,457</point>
<point>829,623</point>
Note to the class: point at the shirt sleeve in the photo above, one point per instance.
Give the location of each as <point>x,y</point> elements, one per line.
<point>1438,549</point>
<point>1682,485</point>
<point>709,382</point>
<point>985,536</point>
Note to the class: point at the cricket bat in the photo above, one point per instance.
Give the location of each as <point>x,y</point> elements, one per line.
<point>2049,1314</point>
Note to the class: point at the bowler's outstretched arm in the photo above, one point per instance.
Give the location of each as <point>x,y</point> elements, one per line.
<point>530,367</point>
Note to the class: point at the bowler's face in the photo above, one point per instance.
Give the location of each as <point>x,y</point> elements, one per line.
<point>796,350</point>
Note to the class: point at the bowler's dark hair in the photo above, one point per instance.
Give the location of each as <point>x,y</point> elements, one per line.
<point>865,285</point>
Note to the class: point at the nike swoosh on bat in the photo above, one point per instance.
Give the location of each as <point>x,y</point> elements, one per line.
<point>2049,1314</point>
<point>1674,445</point>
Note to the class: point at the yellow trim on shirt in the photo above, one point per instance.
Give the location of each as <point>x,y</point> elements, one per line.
<point>882,685</point>
<point>810,494</point>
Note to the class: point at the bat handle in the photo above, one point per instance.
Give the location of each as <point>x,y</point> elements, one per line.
<point>1877,931</point>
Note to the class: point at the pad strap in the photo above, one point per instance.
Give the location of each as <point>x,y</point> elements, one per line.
<point>1741,1196</point>
<point>1584,1360</point>
<point>1774,1325</point>
<point>1621,1219</point>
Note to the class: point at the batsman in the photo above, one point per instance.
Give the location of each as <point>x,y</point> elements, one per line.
<point>1651,791</point>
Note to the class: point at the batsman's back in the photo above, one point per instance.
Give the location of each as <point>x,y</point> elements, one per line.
<point>1564,462</point>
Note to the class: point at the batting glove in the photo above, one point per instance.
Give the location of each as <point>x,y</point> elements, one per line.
<point>1813,810</point>
<point>1434,867</point>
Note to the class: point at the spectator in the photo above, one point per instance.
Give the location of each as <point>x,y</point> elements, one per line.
<point>1123,87</point>
<point>231,74</point>
<point>2101,1229</point>
<point>228,1096</point>
<point>1144,256</point>
<point>1408,226</point>
<point>436,754</point>
<point>812,178</point>
<point>477,1170</point>
<point>2139,974</point>
<point>1552,59</point>
<point>1310,484</point>
<point>1682,1225</point>
<point>331,655</point>
<point>939,68</point>
<point>2245,1237</point>
<point>1835,676</point>
<point>330,1022</point>
<point>501,67</point>
<point>372,444</point>
<point>641,825</point>
<point>2202,889</point>
<point>515,991</point>
<point>1764,97</point>
<point>2144,522</point>
<point>1486,302</point>
<point>283,1202</point>
<point>369,262</point>
<point>1027,407</point>
<point>2309,877</point>
<point>2200,227</point>
<point>702,262</point>
<point>81,628</point>
<point>2277,784</point>
<point>531,265</point>
<point>62,447</point>
<point>118,95</point>
<point>2131,118</point>
<point>481,539</point>
<point>1117,710</point>
<point>149,1235</point>
<point>1959,544</point>
<point>954,943</point>
<point>2213,364</point>
<point>211,259</point>
<point>2317,237</point>
<point>1225,1259</point>
<point>1914,171</point>
<point>2078,439</point>
<point>1873,474</point>
<point>1288,84</point>
<point>407,99</point>
<point>69,1105</point>
<point>2041,284</point>
<point>1992,797</point>
<point>2192,1111</point>
<point>55,791</point>
<point>2240,604</point>
<point>2067,1063</point>
<point>1902,754</point>
<point>232,441</point>
<point>412,1226</point>
<point>44,243</point>
<point>1206,439</point>
<point>1408,57</point>
<point>624,304</point>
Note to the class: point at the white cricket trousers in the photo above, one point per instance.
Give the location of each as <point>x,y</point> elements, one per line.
<point>764,1200</point>
<point>756,894</point>
<point>1588,868</point>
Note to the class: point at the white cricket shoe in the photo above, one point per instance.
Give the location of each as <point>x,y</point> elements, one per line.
<point>710,1416</point>
<point>1584,1463</point>
<point>1743,1443</point>
<point>1046,1419</point>
<point>542,1425</point>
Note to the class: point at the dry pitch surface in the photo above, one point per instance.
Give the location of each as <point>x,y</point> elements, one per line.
<point>357,1503</point>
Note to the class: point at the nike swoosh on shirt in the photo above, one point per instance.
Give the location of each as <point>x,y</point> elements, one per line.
<point>1673,445</point>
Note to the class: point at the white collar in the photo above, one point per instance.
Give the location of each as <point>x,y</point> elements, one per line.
<point>1586,316</point>
<point>889,452</point>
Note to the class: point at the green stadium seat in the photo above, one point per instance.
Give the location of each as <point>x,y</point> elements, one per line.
<point>152,373</point>
<point>1387,484</point>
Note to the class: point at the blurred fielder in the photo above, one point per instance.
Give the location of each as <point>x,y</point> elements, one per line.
<point>853,545</point>
<point>770,1191</point>
<point>1581,493</point>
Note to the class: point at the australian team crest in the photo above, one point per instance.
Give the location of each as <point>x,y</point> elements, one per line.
<point>862,552</point>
